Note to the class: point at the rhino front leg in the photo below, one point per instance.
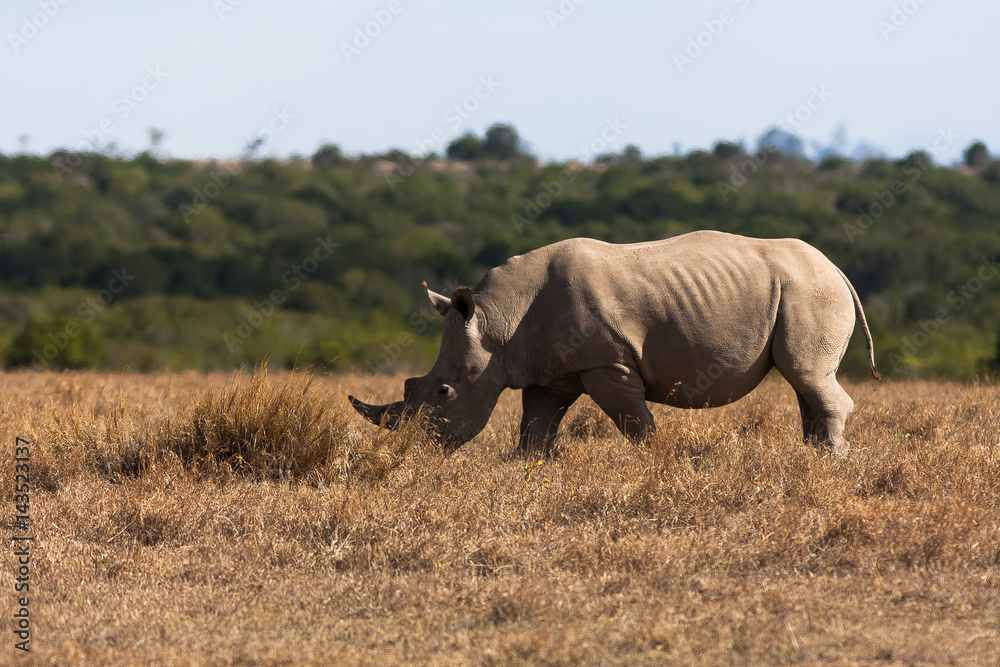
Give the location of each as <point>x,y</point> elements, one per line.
<point>620,392</point>
<point>542,411</point>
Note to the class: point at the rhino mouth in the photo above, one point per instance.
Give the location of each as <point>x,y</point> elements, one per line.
<point>393,415</point>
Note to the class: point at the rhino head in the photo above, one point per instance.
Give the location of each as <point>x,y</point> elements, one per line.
<point>459,393</point>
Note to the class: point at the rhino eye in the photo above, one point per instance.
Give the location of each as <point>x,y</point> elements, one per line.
<point>446,391</point>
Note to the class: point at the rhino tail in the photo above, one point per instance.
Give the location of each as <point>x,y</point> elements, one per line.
<point>864,327</point>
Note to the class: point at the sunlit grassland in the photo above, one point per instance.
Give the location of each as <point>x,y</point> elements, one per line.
<point>218,519</point>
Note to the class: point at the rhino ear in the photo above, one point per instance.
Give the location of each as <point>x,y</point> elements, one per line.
<point>441,302</point>
<point>463,302</point>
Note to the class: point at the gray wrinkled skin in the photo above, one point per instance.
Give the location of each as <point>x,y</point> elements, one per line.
<point>693,321</point>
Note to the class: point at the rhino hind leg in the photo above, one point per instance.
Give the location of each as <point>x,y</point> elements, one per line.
<point>542,412</point>
<point>808,419</point>
<point>812,330</point>
<point>621,394</point>
<point>825,407</point>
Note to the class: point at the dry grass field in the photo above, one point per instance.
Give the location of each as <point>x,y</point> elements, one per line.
<point>219,519</point>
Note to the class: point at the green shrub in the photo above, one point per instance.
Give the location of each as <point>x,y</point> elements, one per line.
<point>65,342</point>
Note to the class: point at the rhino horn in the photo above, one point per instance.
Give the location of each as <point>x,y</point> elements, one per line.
<point>440,302</point>
<point>389,415</point>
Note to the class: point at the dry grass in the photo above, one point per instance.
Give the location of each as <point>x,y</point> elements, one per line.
<point>202,519</point>
<point>261,429</point>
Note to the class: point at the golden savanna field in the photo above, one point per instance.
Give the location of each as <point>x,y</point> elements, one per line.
<point>256,519</point>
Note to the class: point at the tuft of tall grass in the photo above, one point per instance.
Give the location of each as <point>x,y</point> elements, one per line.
<point>254,427</point>
<point>264,429</point>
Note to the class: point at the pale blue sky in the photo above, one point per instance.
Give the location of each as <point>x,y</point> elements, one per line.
<point>221,79</point>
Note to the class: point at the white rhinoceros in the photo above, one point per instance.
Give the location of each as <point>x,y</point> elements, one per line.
<point>692,321</point>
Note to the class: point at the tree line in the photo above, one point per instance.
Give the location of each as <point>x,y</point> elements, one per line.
<point>319,260</point>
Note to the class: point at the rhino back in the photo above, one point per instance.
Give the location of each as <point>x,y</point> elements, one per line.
<point>678,311</point>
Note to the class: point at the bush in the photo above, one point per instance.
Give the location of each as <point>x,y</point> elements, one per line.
<point>265,430</point>
<point>65,342</point>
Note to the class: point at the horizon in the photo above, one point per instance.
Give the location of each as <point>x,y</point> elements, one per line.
<point>809,154</point>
